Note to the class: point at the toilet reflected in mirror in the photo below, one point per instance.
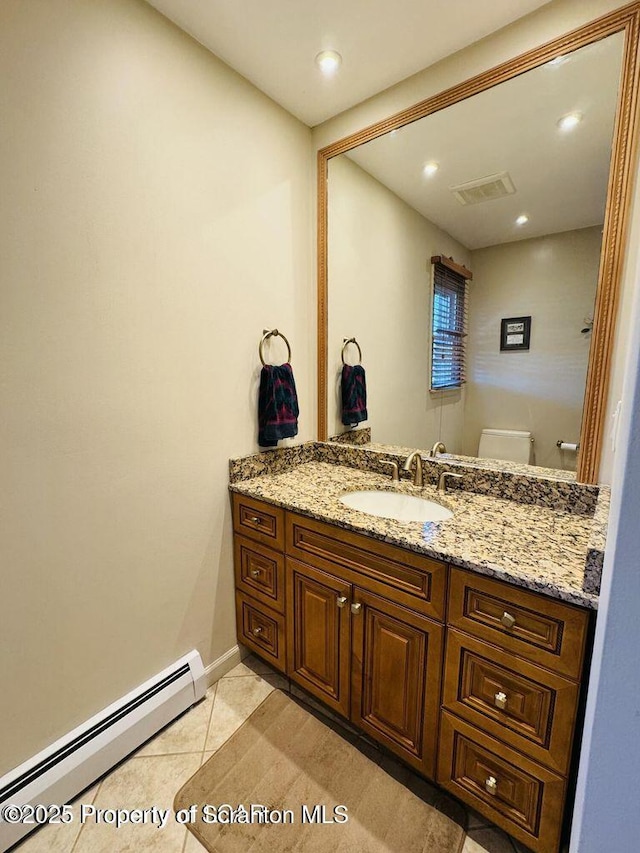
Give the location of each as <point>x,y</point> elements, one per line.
<point>508,445</point>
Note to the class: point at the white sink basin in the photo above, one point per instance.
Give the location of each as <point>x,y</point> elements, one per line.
<point>396,505</point>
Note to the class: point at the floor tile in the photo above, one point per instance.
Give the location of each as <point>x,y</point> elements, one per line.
<point>140,783</point>
<point>239,671</point>
<point>520,848</point>
<point>476,820</point>
<point>236,699</point>
<point>470,846</point>
<point>277,681</point>
<point>403,774</point>
<point>258,667</point>
<point>192,845</point>
<point>488,840</point>
<point>58,837</point>
<point>186,734</point>
<point>251,665</point>
<point>155,773</point>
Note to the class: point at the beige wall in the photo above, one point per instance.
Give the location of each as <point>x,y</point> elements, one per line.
<point>548,22</point>
<point>553,279</point>
<point>155,217</point>
<point>380,281</point>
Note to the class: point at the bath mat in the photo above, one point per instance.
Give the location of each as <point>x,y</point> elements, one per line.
<point>287,781</point>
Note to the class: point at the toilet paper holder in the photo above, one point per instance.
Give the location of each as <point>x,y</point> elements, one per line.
<point>567,445</point>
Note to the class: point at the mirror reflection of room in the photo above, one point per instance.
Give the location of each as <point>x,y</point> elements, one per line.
<point>511,185</point>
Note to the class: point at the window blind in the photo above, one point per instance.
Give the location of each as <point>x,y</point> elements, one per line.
<point>448,327</point>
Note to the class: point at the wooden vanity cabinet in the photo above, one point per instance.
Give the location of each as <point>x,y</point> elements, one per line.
<point>260,581</point>
<point>373,660</point>
<point>470,680</point>
<point>511,688</point>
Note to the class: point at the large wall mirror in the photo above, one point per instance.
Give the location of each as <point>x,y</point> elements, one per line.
<point>520,176</point>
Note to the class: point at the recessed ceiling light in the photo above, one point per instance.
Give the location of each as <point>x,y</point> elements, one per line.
<point>522,219</point>
<point>569,121</point>
<point>329,61</point>
<point>430,168</point>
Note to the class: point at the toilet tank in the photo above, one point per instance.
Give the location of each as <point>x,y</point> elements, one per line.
<point>510,445</point>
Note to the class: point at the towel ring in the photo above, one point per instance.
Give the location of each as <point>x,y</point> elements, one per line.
<point>266,334</point>
<point>348,341</point>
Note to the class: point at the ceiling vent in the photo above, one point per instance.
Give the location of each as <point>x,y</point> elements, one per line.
<point>484,189</point>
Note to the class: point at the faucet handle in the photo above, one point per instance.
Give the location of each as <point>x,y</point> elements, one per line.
<point>442,484</point>
<point>395,474</point>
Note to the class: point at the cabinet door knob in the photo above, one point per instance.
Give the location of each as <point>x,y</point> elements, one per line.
<point>341,601</point>
<point>491,785</point>
<point>508,620</point>
<point>255,573</point>
<point>257,631</point>
<point>500,700</point>
<point>356,608</point>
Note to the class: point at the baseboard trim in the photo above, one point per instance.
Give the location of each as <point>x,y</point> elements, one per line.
<point>226,662</point>
<point>76,760</point>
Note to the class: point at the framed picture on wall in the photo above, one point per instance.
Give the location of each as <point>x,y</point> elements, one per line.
<point>515,333</point>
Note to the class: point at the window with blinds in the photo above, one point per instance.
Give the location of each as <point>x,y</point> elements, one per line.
<point>449,327</point>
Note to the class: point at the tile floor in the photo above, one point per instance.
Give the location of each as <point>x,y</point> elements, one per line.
<point>153,774</point>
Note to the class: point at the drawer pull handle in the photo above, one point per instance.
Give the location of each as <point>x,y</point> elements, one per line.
<point>255,519</point>
<point>342,600</point>
<point>500,700</point>
<point>508,620</point>
<point>255,573</point>
<point>257,631</point>
<point>356,608</point>
<point>491,785</point>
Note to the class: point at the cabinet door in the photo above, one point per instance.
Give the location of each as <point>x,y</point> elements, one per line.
<point>396,664</point>
<point>318,634</point>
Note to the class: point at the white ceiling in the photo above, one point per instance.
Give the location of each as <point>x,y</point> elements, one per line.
<point>273,43</point>
<point>560,178</point>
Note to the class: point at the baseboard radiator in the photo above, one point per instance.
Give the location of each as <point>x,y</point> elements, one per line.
<point>60,772</point>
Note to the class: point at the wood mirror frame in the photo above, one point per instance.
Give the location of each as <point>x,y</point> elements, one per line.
<point>621,174</point>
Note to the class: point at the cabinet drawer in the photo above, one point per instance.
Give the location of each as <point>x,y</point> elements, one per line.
<point>401,576</point>
<point>262,630</point>
<point>259,572</point>
<point>259,521</point>
<point>521,704</point>
<point>533,626</point>
<point>518,795</point>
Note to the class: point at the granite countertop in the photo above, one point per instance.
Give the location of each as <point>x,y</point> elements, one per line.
<point>534,547</point>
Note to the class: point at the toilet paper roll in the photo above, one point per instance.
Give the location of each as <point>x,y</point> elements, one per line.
<point>565,445</point>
